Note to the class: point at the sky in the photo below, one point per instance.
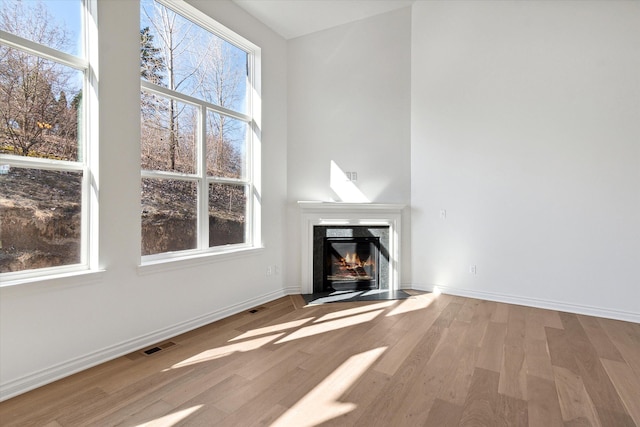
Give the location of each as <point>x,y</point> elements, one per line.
<point>65,12</point>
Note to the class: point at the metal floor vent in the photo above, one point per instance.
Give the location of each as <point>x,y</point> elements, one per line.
<point>157,348</point>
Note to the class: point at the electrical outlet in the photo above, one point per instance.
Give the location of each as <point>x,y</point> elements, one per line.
<point>443,214</point>
<point>472,269</point>
<point>269,271</point>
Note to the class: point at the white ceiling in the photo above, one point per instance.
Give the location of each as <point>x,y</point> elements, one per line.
<point>294,18</point>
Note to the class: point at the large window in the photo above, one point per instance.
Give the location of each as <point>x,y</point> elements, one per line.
<point>198,133</point>
<point>44,151</point>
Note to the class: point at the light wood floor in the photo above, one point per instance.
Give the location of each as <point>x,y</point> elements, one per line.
<point>429,360</point>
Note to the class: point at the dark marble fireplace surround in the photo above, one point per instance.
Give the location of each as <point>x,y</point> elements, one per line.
<point>320,232</point>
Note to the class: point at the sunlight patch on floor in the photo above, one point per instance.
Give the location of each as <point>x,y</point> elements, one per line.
<point>412,304</point>
<point>331,325</point>
<point>171,419</point>
<point>216,353</point>
<point>270,329</point>
<point>321,404</point>
<point>356,310</point>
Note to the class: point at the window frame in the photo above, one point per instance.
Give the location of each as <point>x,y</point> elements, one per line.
<point>87,145</point>
<point>251,178</point>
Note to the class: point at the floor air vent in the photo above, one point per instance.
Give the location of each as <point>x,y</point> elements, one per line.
<point>157,348</point>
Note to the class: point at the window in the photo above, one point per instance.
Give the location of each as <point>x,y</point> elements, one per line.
<point>198,140</point>
<point>45,156</point>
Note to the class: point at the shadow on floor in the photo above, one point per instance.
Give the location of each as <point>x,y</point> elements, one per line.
<point>352,296</point>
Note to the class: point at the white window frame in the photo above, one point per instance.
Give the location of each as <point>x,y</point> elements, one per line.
<point>87,141</point>
<point>251,179</point>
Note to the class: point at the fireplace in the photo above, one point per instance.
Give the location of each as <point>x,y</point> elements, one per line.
<point>351,263</point>
<point>355,224</point>
<point>350,257</point>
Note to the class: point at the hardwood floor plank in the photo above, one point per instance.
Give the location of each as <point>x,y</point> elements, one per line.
<point>511,411</point>
<point>397,353</point>
<point>626,338</point>
<point>599,338</point>
<point>501,313</point>
<point>434,377</point>
<point>560,351</point>
<point>543,408</point>
<point>492,348</point>
<point>468,310</point>
<point>455,390</point>
<point>480,407</point>
<point>611,410</point>
<point>538,359</point>
<point>627,383</point>
<point>575,404</point>
<point>287,369</point>
<point>444,414</point>
<point>513,373</point>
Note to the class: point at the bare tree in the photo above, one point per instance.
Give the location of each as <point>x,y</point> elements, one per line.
<point>203,65</point>
<point>175,43</point>
<point>221,83</point>
<point>31,117</point>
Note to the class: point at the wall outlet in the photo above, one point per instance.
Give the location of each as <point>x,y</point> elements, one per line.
<point>443,214</point>
<point>472,269</point>
<point>273,270</point>
<point>351,176</point>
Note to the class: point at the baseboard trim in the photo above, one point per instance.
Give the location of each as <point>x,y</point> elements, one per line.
<point>40,378</point>
<point>292,290</point>
<point>534,302</point>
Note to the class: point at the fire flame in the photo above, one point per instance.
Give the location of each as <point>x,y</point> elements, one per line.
<point>352,259</point>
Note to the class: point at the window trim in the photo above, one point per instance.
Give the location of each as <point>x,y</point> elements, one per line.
<point>88,145</point>
<point>251,118</point>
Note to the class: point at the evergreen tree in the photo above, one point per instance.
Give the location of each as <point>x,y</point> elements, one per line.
<point>152,65</point>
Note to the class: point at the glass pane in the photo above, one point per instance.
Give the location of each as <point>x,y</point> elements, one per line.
<point>226,146</point>
<point>182,56</point>
<point>40,218</point>
<point>40,105</point>
<point>53,23</point>
<point>227,214</point>
<point>169,215</point>
<point>168,134</point>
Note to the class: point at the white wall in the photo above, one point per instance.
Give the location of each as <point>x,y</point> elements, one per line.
<point>526,129</point>
<point>349,102</point>
<point>52,328</point>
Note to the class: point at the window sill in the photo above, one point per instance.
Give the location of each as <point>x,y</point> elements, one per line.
<point>60,280</point>
<point>177,263</point>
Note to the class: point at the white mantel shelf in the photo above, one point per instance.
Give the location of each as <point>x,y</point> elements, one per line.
<point>316,213</point>
<point>309,206</point>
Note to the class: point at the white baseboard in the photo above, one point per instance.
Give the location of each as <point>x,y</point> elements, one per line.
<point>37,379</point>
<point>292,290</point>
<point>534,302</point>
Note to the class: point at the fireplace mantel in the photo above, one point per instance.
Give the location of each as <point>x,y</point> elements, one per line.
<point>314,213</point>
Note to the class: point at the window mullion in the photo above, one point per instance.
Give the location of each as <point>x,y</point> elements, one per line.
<point>203,193</point>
